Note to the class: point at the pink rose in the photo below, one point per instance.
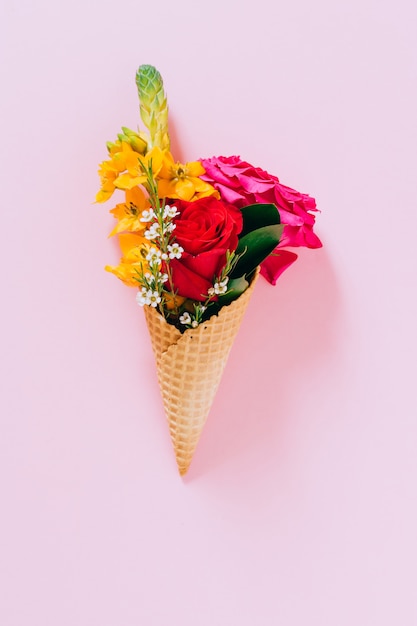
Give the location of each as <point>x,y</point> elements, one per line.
<point>241,184</point>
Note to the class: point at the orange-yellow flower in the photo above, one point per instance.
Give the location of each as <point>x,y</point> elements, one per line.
<point>136,175</point>
<point>129,212</point>
<point>122,158</point>
<point>176,180</point>
<point>108,174</point>
<point>133,262</point>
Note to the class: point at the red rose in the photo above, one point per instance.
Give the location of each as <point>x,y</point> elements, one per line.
<point>206,228</point>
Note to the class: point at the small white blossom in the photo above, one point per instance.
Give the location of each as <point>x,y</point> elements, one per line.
<point>194,323</point>
<point>170,211</point>
<point>185,318</point>
<point>154,256</point>
<point>202,308</point>
<point>147,216</point>
<point>221,286</point>
<point>164,256</point>
<point>175,251</point>
<point>153,253</point>
<point>142,298</point>
<point>153,231</point>
<point>150,278</point>
<point>154,298</point>
<point>211,291</point>
<point>163,278</point>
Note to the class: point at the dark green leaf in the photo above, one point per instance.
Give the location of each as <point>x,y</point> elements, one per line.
<point>255,247</point>
<point>258,215</point>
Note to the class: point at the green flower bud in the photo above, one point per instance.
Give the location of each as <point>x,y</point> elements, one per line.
<point>110,145</point>
<point>133,139</point>
<point>153,106</point>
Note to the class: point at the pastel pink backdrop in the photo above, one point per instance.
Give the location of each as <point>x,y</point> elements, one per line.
<point>300,506</point>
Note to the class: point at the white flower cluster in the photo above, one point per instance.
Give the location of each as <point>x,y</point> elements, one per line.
<point>186,319</point>
<point>150,293</point>
<point>151,279</point>
<point>159,230</point>
<point>170,212</point>
<point>219,287</point>
<point>154,257</point>
<point>148,216</point>
<point>148,297</point>
<point>193,321</point>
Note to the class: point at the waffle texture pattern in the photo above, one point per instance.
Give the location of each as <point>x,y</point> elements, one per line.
<point>190,366</point>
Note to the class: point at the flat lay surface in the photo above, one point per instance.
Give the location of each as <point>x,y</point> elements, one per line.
<point>300,504</point>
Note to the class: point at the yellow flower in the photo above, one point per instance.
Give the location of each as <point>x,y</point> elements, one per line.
<point>122,158</point>
<point>133,262</point>
<point>108,174</point>
<point>129,212</point>
<point>176,180</point>
<point>136,175</point>
<point>126,158</point>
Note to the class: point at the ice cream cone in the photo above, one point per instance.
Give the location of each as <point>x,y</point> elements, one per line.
<point>190,366</point>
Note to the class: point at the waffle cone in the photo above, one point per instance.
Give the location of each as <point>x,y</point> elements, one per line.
<point>190,366</point>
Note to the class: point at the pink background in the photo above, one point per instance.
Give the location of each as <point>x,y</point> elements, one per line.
<point>300,506</point>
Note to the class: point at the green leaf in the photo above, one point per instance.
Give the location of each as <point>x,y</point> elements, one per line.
<point>258,215</point>
<point>255,247</point>
<point>235,287</point>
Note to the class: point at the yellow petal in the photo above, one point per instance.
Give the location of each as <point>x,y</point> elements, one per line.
<point>103,196</point>
<point>129,241</point>
<point>129,224</point>
<point>166,189</point>
<point>205,194</point>
<point>195,169</point>
<point>156,156</point>
<point>167,166</point>
<point>184,189</point>
<point>202,187</point>
<point>136,196</point>
<point>126,272</point>
<point>125,181</point>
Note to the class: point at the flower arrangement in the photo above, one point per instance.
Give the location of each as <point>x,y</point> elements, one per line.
<point>192,237</point>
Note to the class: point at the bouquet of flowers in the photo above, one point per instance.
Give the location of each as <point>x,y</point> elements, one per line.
<point>194,237</point>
